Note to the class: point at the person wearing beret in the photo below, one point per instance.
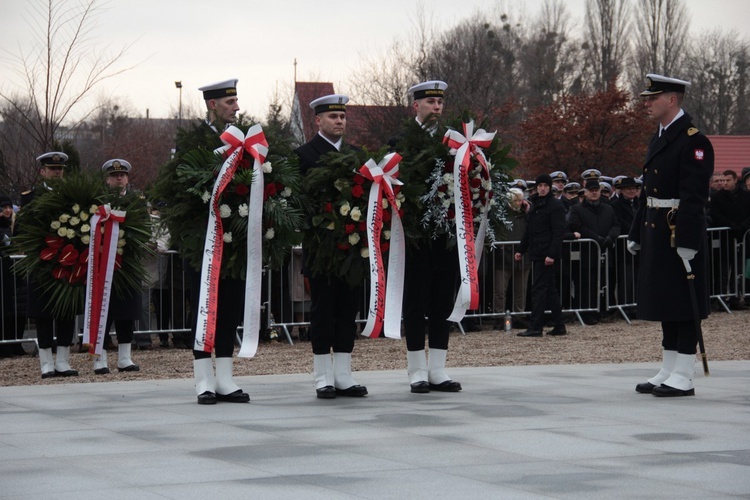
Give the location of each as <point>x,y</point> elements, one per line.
<point>543,240</point>
<point>123,310</point>
<point>431,266</point>
<point>669,230</point>
<point>334,304</point>
<point>52,166</point>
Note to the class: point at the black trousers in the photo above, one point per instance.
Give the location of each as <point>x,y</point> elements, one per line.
<point>229,314</point>
<point>124,329</point>
<point>544,296</point>
<point>333,312</point>
<point>47,328</point>
<point>430,281</point>
<point>680,336</point>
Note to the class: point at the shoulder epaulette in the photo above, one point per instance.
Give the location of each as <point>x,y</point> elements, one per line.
<point>26,192</point>
<point>692,131</point>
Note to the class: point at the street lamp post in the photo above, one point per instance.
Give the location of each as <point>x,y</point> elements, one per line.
<point>179,113</point>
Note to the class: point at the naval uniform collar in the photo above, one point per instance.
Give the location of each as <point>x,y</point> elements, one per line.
<point>677,117</point>
<point>336,144</point>
<point>431,129</point>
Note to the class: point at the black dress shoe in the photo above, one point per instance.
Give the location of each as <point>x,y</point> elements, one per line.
<point>664,391</point>
<point>131,368</point>
<point>447,386</point>
<point>327,392</point>
<point>421,387</point>
<point>558,330</point>
<point>235,397</point>
<point>207,398</point>
<point>101,371</point>
<point>66,373</point>
<point>355,391</point>
<point>645,388</point>
<point>49,374</point>
<point>530,333</point>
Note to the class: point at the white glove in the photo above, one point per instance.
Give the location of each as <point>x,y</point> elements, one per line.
<point>686,253</point>
<point>633,247</point>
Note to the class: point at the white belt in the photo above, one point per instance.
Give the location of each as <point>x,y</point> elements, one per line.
<point>652,202</point>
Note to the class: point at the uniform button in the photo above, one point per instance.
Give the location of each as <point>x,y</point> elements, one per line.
<point>653,225</point>
<point>656,170</point>
<point>645,170</point>
<point>656,190</point>
<point>645,224</point>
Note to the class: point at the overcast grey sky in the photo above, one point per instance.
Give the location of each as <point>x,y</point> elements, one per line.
<point>257,41</point>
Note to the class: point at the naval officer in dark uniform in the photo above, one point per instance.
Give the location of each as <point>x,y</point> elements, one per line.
<point>432,272</point>
<point>669,228</point>
<point>334,304</point>
<point>123,310</point>
<point>52,166</point>
<point>212,386</point>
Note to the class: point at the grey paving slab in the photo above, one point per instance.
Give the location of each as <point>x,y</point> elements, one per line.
<point>573,431</point>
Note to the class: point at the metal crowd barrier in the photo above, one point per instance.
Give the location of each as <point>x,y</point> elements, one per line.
<point>589,280</point>
<point>508,283</point>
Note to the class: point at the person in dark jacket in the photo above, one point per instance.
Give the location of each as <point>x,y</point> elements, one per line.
<point>543,242</point>
<point>625,205</point>
<point>123,310</point>
<point>730,208</point>
<point>334,304</point>
<point>670,231</point>
<point>215,384</point>
<point>431,270</point>
<point>39,304</point>
<point>592,219</point>
<point>12,290</point>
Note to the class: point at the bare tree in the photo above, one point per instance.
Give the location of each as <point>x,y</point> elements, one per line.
<point>550,56</point>
<point>660,28</point>
<point>480,60</point>
<point>59,71</point>
<point>719,71</point>
<point>607,30</point>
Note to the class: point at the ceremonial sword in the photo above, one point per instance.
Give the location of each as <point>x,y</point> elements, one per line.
<point>696,315</point>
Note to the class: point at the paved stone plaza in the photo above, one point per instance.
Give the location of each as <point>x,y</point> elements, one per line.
<point>571,431</point>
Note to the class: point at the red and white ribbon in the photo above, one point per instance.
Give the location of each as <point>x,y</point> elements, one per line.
<point>386,295</point>
<point>105,226</point>
<point>469,247</point>
<point>236,142</point>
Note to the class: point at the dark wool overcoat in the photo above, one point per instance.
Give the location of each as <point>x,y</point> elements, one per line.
<point>678,165</point>
<point>544,233</point>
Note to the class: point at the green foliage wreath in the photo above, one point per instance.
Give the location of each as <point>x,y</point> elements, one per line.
<point>186,185</point>
<point>54,234</point>
<point>336,242</point>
